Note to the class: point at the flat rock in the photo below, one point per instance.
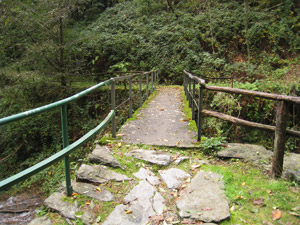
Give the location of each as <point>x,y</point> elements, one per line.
<point>19,209</point>
<point>204,199</point>
<point>44,220</point>
<point>292,175</point>
<point>91,190</point>
<point>144,174</point>
<point>103,155</point>
<point>180,160</point>
<point>67,209</point>
<point>248,152</point>
<point>98,174</point>
<point>143,201</point>
<point>173,177</point>
<point>154,157</point>
<point>260,156</point>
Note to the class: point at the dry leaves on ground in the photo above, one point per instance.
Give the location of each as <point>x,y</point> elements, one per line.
<point>276,214</point>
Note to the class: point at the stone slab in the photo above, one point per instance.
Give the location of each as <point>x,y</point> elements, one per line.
<point>261,156</point>
<point>204,199</point>
<point>142,202</point>
<point>90,190</point>
<point>154,157</point>
<point>144,174</point>
<point>67,209</point>
<point>44,220</point>
<point>180,160</point>
<point>98,174</point>
<point>248,152</point>
<point>103,155</point>
<point>173,177</point>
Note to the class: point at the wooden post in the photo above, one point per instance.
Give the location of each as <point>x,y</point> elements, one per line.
<point>280,138</point>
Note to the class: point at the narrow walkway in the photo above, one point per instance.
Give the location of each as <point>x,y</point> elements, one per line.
<point>162,122</point>
<point>138,192</point>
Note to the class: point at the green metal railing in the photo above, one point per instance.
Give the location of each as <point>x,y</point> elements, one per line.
<point>69,148</point>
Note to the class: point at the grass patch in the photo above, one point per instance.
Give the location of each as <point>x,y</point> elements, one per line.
<point>188,112</point>
<point>245,183</point>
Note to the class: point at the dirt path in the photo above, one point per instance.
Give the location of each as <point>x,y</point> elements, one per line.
<point>162,122</point>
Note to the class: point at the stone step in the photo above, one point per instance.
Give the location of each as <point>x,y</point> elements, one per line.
<point>90,190</point>
<point>98,174</point>
<point>71,210</point>
<point>152,156</point>
<point>142,202</point>
<point>103,155</point>
<point>204,199</point>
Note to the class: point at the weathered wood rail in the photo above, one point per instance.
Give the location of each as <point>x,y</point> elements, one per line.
<point>280,129</point>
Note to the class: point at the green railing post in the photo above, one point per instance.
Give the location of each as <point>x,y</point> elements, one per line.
<point>141,94</point>
<point>151,82</point>
<point>113,107</point>
<point>130,97</point>
<point>193,99</point>
<point>199,119</point>
<point>64,126</point>
<point>147,84</point>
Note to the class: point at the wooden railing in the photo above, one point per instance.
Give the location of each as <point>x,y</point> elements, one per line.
<point>196,104</point>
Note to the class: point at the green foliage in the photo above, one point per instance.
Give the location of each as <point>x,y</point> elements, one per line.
<point>212,145</point>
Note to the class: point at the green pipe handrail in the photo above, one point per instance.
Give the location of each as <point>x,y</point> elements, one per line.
<point>68,149</point>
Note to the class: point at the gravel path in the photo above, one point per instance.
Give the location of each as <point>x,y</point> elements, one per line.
<point>162,122</point>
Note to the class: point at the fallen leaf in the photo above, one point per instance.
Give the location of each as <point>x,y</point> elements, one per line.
<point>258,201</point>
<point>295,214</point>
<point>276,214</point>
<point>239,197</point>
<point>195,166</point>
<point>128,212</point>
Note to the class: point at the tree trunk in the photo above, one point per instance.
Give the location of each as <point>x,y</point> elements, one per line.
<point>61,52</point>
<point>246,27</point>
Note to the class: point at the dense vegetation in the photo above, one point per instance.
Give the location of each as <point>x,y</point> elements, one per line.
<point>44,45</point>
